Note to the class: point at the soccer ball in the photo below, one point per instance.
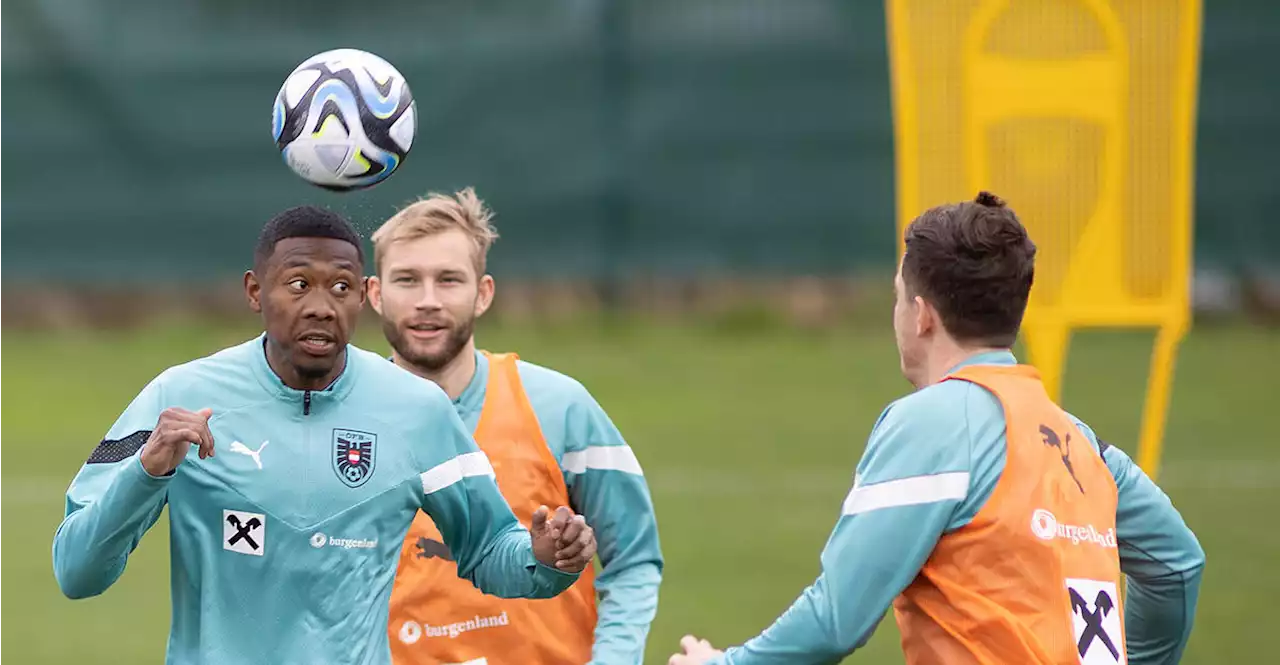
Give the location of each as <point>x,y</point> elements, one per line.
<point>344,119</point>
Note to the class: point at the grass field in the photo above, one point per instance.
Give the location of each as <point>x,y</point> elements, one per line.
<point>748,437</point>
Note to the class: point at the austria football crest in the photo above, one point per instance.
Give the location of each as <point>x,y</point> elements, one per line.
<point>353,455</point>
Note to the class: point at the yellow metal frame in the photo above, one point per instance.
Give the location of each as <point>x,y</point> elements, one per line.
<point>1096,88</point>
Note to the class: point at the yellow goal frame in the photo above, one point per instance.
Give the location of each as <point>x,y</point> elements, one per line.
<point>1048,132</point>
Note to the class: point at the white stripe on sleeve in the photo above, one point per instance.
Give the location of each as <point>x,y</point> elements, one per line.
<point>447,473</point>
<point>911,491</point>
<point>603,458</point>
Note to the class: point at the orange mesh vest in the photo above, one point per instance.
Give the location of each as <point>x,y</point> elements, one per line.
<point>440,618</point>
<point>1035,577</point>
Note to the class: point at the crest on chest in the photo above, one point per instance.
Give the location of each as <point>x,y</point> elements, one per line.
<point>354,456</point>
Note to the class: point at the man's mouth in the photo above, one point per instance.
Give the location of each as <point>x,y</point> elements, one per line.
<point>426,330</point>
<point>317,344</point>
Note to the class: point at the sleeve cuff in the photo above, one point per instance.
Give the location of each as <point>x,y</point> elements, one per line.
<point>145,476</point>
<point>553,573</point>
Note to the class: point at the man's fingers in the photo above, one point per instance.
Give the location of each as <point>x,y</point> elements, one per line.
<point>539,519</point>
<point>572,550</point>
<point>197,422</point>
<point>588,550</point>
<point>572,530</point>
<point>175,417</point>
<point>582,535</point>
<point>206,440</point>
<point>185,436</point>
<point>578,555</point>
<point>559,519</point>
<point>581,549</point>
<point>689,643</point>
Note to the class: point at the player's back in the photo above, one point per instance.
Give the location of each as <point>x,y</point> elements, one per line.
<point>1008,584</point>
<point>285,541</point>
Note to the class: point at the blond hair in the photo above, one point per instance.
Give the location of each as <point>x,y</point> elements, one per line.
<point>435,214</point>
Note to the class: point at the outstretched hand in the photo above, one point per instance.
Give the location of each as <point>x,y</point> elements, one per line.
<point>696,652</point>
<point>563,541</point>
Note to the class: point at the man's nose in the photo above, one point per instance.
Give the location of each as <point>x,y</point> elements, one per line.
<point>319,305</point>
<point>429,298</point>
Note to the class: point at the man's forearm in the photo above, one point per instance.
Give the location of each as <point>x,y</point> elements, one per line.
<point>509,570</point>
<point>869,559</point>
<point>94,540</point>
<point>1159,615</point>
<point>628,604</point>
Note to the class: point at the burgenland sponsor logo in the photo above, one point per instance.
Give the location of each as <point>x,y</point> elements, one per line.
<point>1047,527</point>
<point>319,540</point>
<point>412,631</point>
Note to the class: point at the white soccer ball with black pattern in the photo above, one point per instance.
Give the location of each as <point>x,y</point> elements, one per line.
<point>344,119</point>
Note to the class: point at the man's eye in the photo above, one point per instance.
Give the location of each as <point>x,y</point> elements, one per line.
<point>298,284</point>
<point>341,287</point>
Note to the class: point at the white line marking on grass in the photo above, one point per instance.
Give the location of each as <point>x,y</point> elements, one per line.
<point>1216,474</point>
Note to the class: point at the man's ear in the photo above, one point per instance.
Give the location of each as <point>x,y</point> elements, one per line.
<point>484,294</point>
<point>253,291</point>
<point>926,317</point>
<point>373,287</point>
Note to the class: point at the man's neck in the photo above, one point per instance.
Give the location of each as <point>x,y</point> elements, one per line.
<point>454,377</point>
<point>948,357</point>
<point>292,378</point>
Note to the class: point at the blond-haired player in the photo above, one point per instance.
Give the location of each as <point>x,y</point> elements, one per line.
<point>549,442</point>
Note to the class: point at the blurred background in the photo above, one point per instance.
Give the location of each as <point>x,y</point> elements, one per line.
<point>698,204</point>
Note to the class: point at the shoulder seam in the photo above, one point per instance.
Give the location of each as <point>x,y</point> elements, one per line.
<point>572,380</point>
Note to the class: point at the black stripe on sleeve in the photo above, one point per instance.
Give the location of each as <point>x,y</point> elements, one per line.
<point>115,450</point>
<point>1103,447</point>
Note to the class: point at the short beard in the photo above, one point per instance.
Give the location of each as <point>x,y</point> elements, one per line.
<point>454,343</point>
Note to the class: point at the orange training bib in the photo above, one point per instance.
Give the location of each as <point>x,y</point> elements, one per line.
<point>441,619</point>
<point>1035,577</point>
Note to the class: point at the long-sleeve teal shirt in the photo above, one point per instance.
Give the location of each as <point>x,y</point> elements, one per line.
<point>949,438</point>
<point>284,545</point>
<point>607,487</point>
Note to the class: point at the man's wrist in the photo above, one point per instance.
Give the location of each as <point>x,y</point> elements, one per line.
<point>142,462</point>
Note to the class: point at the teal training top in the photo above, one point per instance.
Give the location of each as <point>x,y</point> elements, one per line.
<point>284,545</point>
<point>951,436</point>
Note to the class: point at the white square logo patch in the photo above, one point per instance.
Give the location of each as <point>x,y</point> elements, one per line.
<point>1095,618</point>
<point>245,533</point>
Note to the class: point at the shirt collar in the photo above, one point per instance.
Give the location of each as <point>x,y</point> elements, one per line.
<point>1001,357</point>
<point>273,383</point>
<point>472,398</point>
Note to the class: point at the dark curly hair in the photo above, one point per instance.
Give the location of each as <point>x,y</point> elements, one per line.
<point>974,262</point>
<point>303,222</point>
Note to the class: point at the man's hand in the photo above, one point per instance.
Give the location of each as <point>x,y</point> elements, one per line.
<point>565,541</point>
<point>175,433</point>
<point>696,652</point>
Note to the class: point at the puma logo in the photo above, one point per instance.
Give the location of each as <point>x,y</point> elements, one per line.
<point>237,447</point>
<point>430,549</point>
<point>1050,438</point>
